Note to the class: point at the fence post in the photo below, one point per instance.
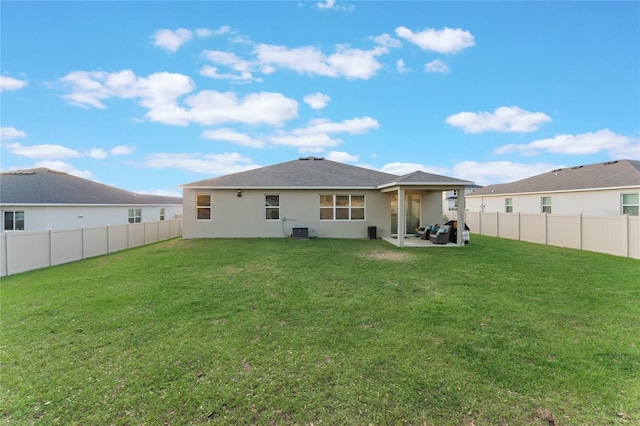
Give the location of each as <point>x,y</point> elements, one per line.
<point>50,246</point>
<point>6,251</point>
<point>108,248</point>
<point>626,234</point>
<point>545,228</point>
<point>129,235</point>
<point>82,242</point>
<point>518,226</point>
<point>580,231</point>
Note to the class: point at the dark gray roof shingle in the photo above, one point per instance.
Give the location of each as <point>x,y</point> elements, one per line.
<point>423,177</point>
<point>45,186</point>
<point>313,172</point>
<point>612,174</point>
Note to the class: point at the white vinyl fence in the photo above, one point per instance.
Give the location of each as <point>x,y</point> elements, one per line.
<point>24,251</point>
<point>616,235</point>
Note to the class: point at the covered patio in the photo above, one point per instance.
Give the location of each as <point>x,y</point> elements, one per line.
<point>428,188</point>
<point>412,241</point>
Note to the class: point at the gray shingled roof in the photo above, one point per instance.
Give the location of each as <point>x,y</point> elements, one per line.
<point>44,186</point>
<point>314,172</point>
<point>419,177</point>
<point>612,174</point>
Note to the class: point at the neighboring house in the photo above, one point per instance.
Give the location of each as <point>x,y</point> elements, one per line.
<point>39,199</point>
<point>600,189</point>
<point>451,198</point>
<point>322,197</point>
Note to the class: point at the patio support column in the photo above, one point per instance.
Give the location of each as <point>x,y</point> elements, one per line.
<point>461,218</point>
<point>402,217</point>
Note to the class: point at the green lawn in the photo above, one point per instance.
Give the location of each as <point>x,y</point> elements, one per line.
<point>333,332</point>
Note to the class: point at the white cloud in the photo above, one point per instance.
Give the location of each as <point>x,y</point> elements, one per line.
<point>56,152</point>
<point>317,100</point>
<point>401,67</point>
<point>230,135</point>
<point>61,166</point>
<point>306,142</point>
<point>100,153</point>
<point>242,67</point>
<point>42,151</point>
<point>211,107</point>
<point>212,164</point>
<point>97,153</point>
<point>346,62</point>
<point>386,40</point>
<point>206,32</point>
<point>160,94</point>
<point>400,169</point>
<point>582,144</point>
<point>90,88</point>
<point>213,72</point>
<point>498,171</point>
<point>341,157</point>
<point>11,133</point>
<point>222,30</point>
<point>331,5</point>
<point>11,84</point>
<point>121,150</point>
<point>503,119</point>
<point>316,136</point>
<point>327,4</point>
<point>171,40</point>
<point>437,66</point>
<point>630,151</point>
<point>203,32</point>
<point>480,173</point>
<point>447,40</point>
<point>162,192</point>
<point>353,126</point>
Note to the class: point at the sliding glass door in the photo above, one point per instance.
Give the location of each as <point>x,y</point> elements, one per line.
<point>412,213</point>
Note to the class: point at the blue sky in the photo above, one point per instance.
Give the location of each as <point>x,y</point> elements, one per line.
<point>146,96</point>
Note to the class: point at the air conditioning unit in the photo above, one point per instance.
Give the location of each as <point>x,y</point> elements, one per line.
<point>300,232</point>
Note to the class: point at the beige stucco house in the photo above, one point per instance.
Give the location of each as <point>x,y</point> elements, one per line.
<point>600,189</point>
<point>323,198</point>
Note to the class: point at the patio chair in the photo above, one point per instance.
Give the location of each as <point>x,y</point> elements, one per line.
<point>442,236</point>
<point>426,230</point>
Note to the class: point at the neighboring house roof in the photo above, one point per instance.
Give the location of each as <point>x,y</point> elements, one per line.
<point>45,186</point>
<point>612,174</point>
<point>315,172</point>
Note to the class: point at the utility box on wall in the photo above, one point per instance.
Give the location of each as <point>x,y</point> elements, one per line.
<point>300,232</point>
<point>372,232</point>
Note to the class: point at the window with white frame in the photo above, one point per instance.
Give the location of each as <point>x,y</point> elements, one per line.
<point>272,207</point>
<point>630,204</point>
<point>342,207</point>
<point>13,221</point>
<point>135,215</point>
<point>203,206</point>
<point>508,205</point>
<point>162,211</point>
<point>546,204</point>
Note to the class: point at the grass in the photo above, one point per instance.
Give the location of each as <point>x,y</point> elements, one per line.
<point>270,331</point>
